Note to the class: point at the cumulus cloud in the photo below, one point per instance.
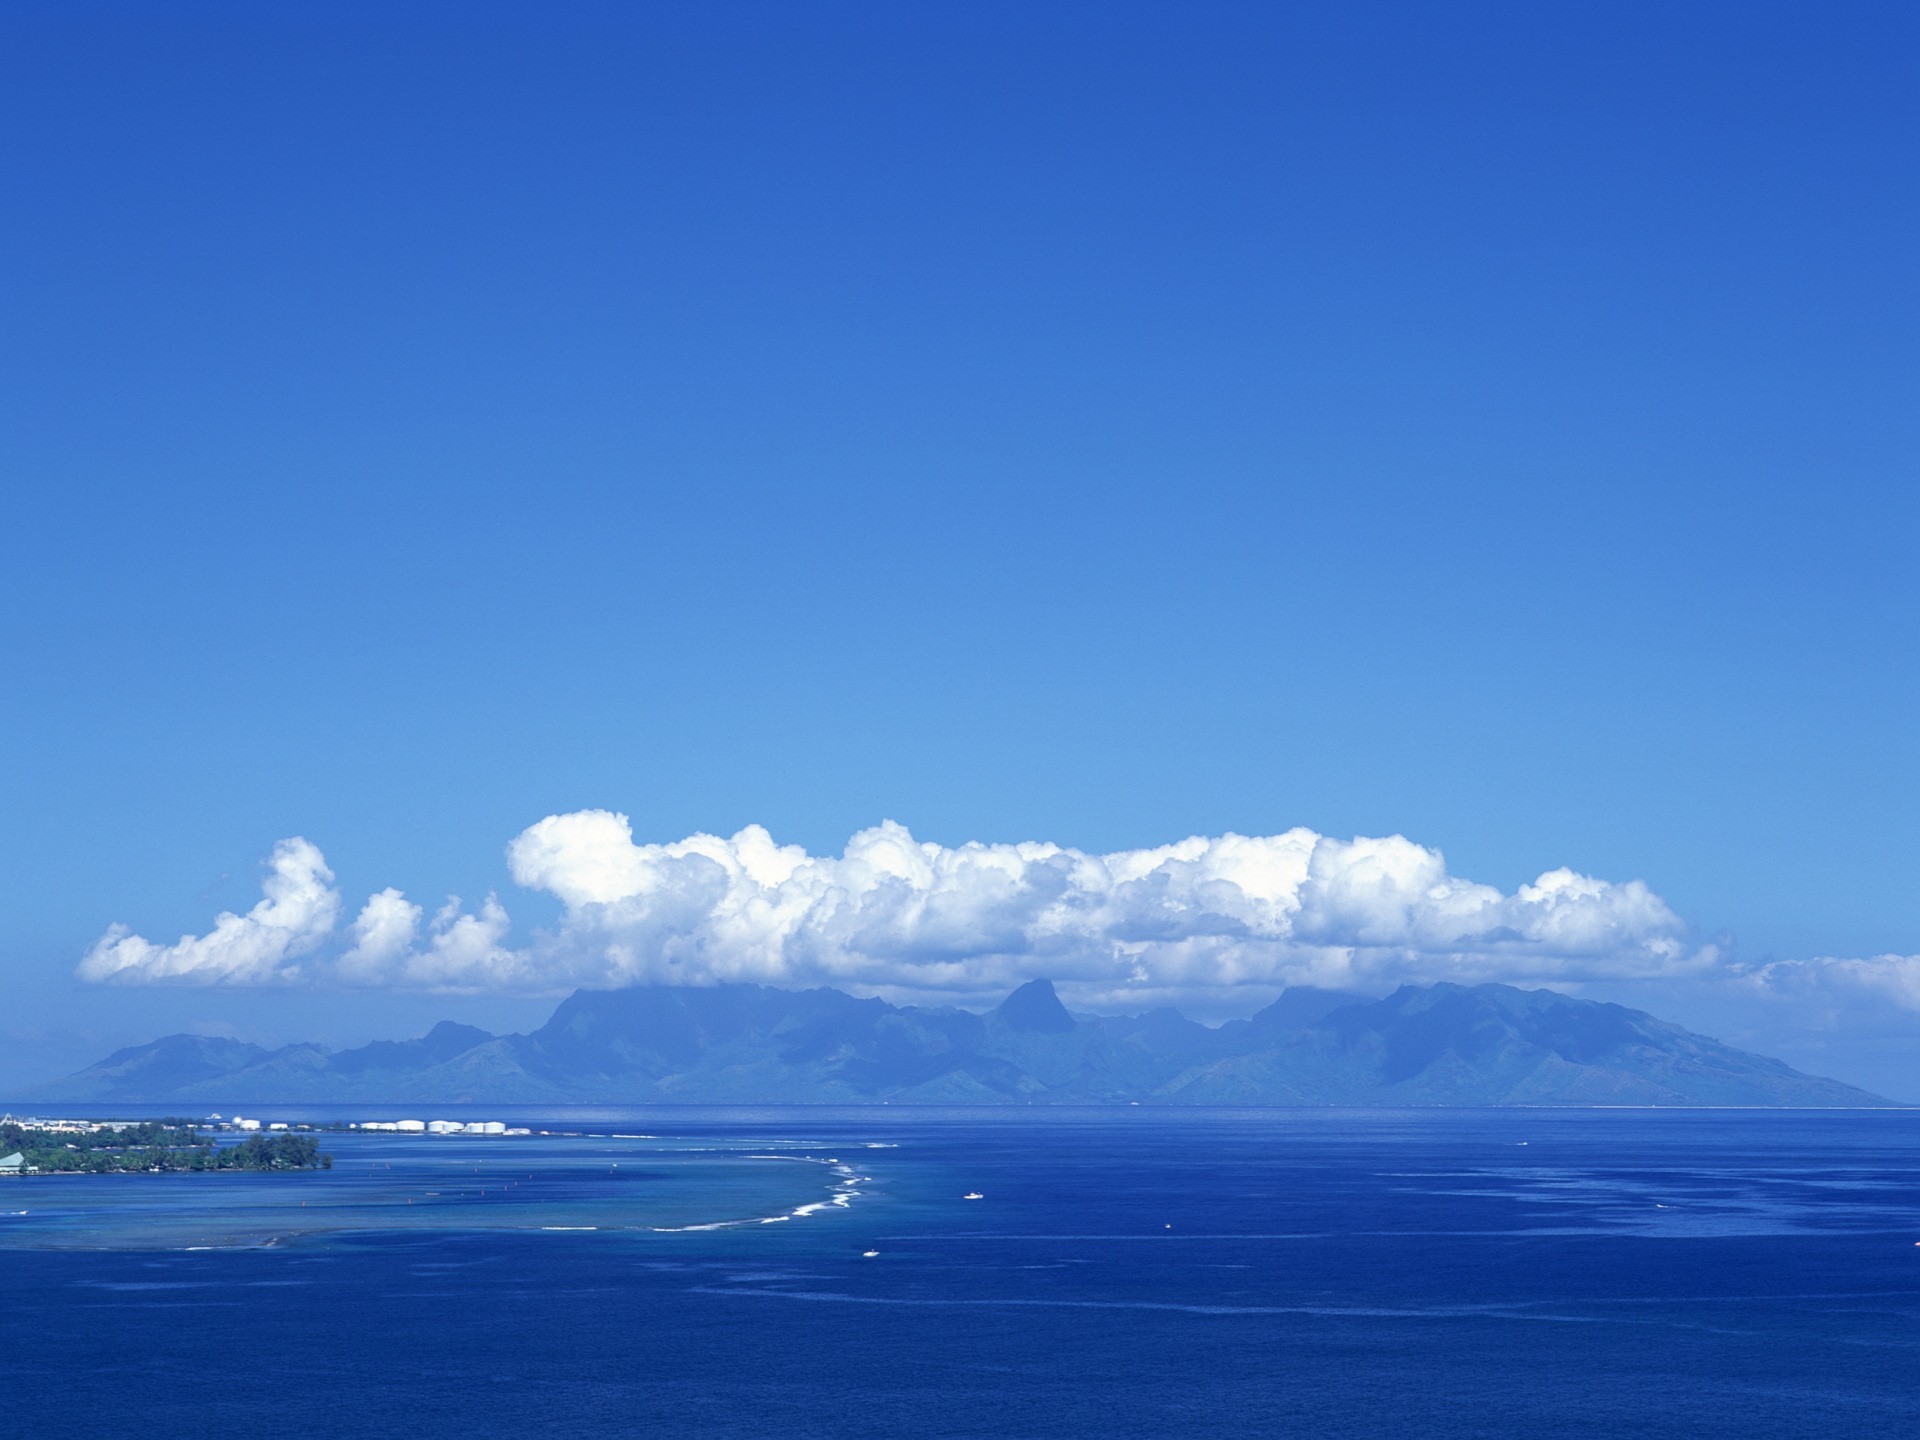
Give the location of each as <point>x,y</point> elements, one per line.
<point>465,951</point>
<point>897,915</point>
<point>293,919</point>
<point>1232,910</point>
<point>461,951</point>
<point>383,935</point>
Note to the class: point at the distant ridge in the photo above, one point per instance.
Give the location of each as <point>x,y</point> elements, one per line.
<point>1422,1045</point>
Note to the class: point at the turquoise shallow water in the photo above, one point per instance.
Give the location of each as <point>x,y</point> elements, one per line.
<point>411,1184</point>
<point>1125,1273</point>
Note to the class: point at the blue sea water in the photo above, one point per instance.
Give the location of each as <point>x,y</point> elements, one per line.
<point>1126,1272</point>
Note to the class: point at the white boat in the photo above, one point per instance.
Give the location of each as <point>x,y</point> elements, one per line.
<point>868,1254</point>
<point>973,1195</point>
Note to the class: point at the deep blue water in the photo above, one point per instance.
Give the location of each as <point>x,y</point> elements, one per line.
<point>1127,1272</point>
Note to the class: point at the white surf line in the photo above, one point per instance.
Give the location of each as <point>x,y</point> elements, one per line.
<point>845,1190</point>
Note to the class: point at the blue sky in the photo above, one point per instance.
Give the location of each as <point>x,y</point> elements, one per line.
<point>1487,424</point>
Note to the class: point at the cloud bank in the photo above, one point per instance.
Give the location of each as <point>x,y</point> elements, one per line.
<point>1205,913</point>
<point>894,914</point>
<point>1834,986</point>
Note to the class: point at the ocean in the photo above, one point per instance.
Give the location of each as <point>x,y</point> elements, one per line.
<point>1124,1272</point>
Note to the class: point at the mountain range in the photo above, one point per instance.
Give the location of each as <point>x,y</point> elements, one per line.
<point>1422,1045</point>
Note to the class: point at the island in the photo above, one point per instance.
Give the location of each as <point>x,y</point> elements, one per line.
<point>94,1148</point>
<point>747,1044</point>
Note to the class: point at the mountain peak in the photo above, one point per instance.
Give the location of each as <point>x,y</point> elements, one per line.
<point>450,1038</point>
<point>1302,1005</point>
<point>1035,1009</point>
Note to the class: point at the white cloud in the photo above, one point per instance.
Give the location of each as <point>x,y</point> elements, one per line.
<point>294,919</point>
<point>1836,984</point>
<point>465,951</point>
<point>1203,913</point>
<point>383,936</point>
<point>892,914</point>
<point>462,951</point>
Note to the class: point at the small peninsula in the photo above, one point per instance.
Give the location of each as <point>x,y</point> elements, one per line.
<point>94,1148</point>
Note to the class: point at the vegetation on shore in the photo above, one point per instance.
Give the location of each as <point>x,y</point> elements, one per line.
<point>155,1145</point>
